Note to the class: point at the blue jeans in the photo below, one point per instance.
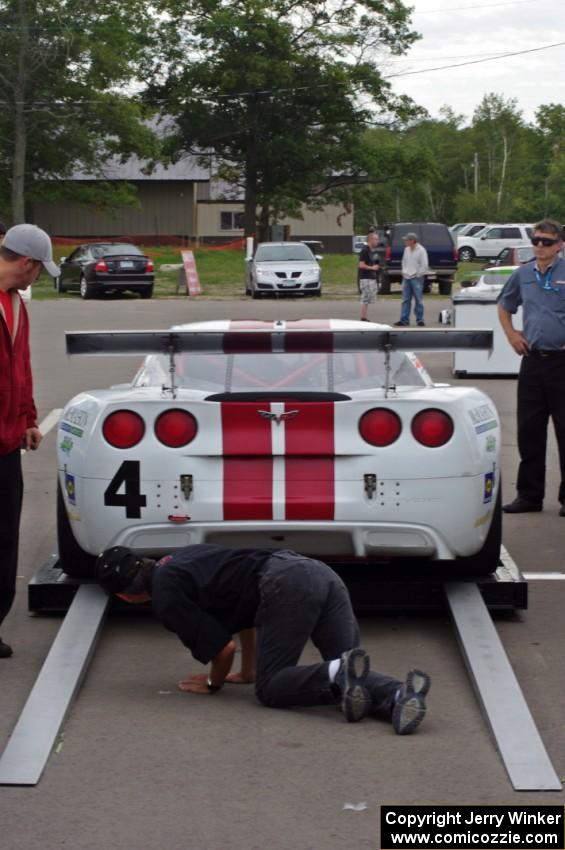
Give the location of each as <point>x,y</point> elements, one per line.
<point>412,288</point>
<point>301,598</point>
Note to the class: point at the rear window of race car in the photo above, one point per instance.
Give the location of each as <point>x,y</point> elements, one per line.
<point>311,372</point>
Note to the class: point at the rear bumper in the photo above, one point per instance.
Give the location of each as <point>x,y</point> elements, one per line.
<point>121,281</point>
<point>322,539</point>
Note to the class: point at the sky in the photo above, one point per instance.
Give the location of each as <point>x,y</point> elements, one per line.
<point>469,30</point>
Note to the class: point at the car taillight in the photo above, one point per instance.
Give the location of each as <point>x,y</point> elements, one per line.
<point>456,254</point>
<point>175,428</point>
<point>388,253</point>
<point>101,266</point>
<point>380,427</point>
<point>123,429</point>
<point>432,427</point>
<point>149,266</point>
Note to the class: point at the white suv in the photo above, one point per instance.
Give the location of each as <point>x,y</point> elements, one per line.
<point>492,240</point>
<point>473,228</point>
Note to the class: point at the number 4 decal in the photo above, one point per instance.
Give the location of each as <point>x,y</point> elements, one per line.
<point>128,476</point>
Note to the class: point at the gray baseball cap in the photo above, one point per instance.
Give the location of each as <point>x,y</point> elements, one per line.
<point>413,236</point>
<point>30,241</point>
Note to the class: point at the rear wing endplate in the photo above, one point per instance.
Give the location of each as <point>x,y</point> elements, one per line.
<point>263,341</point>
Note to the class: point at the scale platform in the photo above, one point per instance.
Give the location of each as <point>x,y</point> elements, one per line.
<point>372,587</point>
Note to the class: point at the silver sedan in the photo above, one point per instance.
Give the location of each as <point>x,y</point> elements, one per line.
<point>283,267</point>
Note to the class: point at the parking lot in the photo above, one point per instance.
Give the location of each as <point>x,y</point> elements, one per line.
<point>143,765</point>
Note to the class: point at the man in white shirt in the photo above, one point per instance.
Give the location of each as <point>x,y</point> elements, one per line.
<point>414,269</point>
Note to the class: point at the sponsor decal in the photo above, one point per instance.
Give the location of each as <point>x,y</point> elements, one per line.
<point>71,429</point>
<point>70,488</point>
<point>74,515</point>
<point>490,444</point>
<point>486,426</point>
<point>488,488</point>
<point>481,413</point>
<point>76,416</point>
<point>66,445</point>
<point>482,520</point>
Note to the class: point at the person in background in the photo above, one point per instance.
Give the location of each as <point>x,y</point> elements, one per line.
<point>25,251</point>
<point>276,600</point>
<point>368,273</point>
<point>414,270</point>
<point>540,288</point>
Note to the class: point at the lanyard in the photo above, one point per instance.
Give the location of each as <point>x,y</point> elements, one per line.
<point>545,281</point>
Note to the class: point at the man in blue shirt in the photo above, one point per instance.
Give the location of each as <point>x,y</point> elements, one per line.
<point>539,286</point>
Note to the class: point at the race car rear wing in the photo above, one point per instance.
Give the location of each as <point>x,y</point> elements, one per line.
<point>264,341</point>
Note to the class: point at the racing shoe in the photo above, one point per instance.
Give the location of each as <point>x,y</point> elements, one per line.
<point>410,705</point>
<point>350,681</point>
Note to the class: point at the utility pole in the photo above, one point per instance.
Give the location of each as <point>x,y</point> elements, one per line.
<point>476,173</point>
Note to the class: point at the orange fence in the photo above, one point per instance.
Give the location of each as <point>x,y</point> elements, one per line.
<point>152,239</point>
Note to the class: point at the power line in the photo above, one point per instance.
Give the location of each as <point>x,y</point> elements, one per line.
<point>397,59</point>
<point>311,87</point>
<point>476,61</point>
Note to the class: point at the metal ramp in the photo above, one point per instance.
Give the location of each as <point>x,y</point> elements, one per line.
<point>501,699</point>
<point>55,688</point>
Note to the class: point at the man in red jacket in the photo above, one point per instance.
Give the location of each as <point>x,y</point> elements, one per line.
<point>24,253</point>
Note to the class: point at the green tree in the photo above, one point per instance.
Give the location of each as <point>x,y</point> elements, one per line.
<point>63,66</point>
<point>280,91</point>
<point>396,167</point>
<point>502,145</point>
<point>550,121</point>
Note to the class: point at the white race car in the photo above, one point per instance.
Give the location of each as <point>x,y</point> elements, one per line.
<point>327,436</point>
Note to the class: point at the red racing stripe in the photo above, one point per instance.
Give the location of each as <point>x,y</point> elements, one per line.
<point>248,343</point>
<point>296,341</point>
<point>309,464</point>
<point>248,488</point>
<point>248,478</point>
<point>299,342</point>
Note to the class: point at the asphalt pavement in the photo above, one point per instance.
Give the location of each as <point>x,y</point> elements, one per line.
<point>142,765</point>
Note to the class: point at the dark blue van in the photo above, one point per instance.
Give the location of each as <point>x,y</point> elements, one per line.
<point>442,254</point>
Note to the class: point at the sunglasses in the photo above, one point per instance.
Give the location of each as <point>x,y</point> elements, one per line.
<point>544,240</point>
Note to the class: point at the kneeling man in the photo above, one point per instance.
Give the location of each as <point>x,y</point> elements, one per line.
<point>277,600</point>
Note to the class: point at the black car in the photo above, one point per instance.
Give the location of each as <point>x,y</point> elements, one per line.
<point>99,267</point>
<point>440,247</point>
